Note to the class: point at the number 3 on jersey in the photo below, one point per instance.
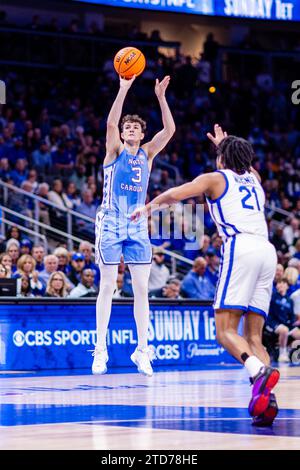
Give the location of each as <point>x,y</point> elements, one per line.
<point>138,177</point>
<point>245,189</point>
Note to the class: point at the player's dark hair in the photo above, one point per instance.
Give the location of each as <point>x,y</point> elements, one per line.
<point>236,154</point>
<point>133,118</point>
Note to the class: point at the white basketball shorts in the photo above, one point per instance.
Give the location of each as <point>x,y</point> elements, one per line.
<point>246,274</point>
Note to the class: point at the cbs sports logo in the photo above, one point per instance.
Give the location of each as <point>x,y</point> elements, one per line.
<point>57,338</point>
<point>19,338</point>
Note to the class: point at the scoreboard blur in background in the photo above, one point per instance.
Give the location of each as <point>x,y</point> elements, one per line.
<point>258,9</point>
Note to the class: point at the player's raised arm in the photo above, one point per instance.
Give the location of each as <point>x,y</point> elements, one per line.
<point>161,139</point>
<point>200,185</point>
<point>113,141</point>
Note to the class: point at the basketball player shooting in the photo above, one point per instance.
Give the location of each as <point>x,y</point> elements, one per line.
<point>127,166</point>
<point>236,201</point>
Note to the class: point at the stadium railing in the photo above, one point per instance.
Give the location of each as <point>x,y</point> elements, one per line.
<point>27,230</point>
<point>37,224</point>
<point>228,66</point>
<point>70,216</point>
<point>74,52</point>
<point>39,230</point>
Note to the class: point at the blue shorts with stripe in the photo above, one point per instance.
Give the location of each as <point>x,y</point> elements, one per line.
<point>117,235</point>
<point>247,270</point>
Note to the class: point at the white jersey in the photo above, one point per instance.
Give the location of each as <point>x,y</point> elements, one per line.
<point>240,209</point>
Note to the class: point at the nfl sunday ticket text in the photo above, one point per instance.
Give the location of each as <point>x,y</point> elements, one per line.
<point>155,458</point>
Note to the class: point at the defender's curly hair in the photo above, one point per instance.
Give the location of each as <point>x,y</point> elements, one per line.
<point>236,154</point>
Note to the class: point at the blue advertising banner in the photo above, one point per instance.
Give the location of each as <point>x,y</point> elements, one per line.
<point>259,9</point>
<point>37,337</point>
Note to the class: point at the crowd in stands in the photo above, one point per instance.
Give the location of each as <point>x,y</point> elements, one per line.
<point>52,144</point>
<point>282,327</point>
<point>58,274</point>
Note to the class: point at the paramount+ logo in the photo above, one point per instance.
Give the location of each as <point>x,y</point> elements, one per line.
<point>2,92</point>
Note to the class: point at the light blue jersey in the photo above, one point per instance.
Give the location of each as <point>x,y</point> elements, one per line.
<point>126,182</point>
<point>125,188</point>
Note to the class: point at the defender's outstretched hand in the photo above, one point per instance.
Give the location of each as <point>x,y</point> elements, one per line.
<point>219,135</point>
<point>138,213</point>
<point>126,83</point>
<point>160,87</point>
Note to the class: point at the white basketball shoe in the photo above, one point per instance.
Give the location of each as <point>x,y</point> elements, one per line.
<point>100,360</point>
<point>142,359</point>
<point>284,357</point>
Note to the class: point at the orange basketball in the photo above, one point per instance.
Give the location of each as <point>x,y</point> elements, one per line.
<point>129,61</point>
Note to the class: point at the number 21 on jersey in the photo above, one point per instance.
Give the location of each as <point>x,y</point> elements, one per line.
<point>248,201</point>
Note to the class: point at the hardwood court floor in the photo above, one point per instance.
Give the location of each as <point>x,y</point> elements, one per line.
<point>190,409</point>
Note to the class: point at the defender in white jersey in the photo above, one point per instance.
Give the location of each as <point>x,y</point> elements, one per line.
<point>248,262</point>
<point>236,202</point>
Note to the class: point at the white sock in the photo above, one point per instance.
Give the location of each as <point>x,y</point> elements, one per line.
<point>140,278</point>
<point>253,365</point>
<point>282,351</point>
<point>109,274</point>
